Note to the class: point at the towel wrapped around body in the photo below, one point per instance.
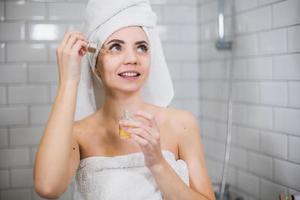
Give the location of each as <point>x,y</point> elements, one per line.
<point>121,177</point>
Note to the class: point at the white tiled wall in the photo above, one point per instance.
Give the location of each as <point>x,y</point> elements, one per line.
<point>266,111</point>
<point>265,159</point>
<point>30,31</point>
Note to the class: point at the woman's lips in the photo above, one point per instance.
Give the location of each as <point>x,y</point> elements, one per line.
<point>130,75</point>
<point>130,78</point>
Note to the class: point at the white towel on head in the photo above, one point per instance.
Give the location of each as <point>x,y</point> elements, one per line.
<point>104,17</point>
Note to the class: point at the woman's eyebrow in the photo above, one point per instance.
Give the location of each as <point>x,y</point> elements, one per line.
<point>122,42</point>
<point>116,40</point>
<point>141,42</point>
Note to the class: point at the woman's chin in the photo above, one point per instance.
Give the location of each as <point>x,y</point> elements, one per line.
<point>132,89</point>
<point>128,88</point>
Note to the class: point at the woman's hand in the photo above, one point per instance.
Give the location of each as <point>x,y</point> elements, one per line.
<point>69,54</point>
<point>147,135</point>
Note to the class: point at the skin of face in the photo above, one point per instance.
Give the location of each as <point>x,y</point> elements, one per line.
<point>126,49</point>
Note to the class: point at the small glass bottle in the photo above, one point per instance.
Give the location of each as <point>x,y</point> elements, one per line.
<point>125,116</point>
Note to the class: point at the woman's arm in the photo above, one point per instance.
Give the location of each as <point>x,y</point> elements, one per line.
<point>57,156</point>
<point>191,151</point>
<point>184,126</point>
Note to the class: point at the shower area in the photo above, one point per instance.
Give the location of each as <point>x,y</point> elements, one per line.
<point>249,72</point>
<point>235,64</point>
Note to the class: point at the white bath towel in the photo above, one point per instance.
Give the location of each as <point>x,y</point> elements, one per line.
<point>122,177</point>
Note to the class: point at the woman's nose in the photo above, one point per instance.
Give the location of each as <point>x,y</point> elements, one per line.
<point>131,57</point>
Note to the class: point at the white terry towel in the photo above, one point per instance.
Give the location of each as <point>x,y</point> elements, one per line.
<point>104,17</point>
<point>122,177</point>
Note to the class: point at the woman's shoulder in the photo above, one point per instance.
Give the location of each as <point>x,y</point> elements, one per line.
<point>180,116</point>
<point>85,126</point>
<point>177,119</point>
<point>179,112</point>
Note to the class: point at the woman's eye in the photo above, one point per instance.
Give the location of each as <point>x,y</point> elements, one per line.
<point>144,48</point>
<point>115,47</point>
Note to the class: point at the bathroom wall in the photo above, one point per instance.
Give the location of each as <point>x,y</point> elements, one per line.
<point>265,159</point>
<point>30,31</point>
<point>266,109</point>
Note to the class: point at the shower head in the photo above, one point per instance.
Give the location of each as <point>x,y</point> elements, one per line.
<point>223,45</point>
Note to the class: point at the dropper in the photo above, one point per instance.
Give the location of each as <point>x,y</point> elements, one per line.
<point>92,47</point>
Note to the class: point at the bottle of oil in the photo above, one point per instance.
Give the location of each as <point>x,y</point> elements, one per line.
<point>127,116</point>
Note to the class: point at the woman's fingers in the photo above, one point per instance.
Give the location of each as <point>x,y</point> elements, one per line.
<point>67,43</point>
<point>65,39</point>
<point>143,133</point>
<point>131,123</point>
<point>69,54</point>
<point>141,141</point>
<point>80,47</point>
<point>147,116</point>
<point>72,40</point>
<point>150,119</point>
<point>140,133</point>
<point>67,36</point>
<point>153,130</point>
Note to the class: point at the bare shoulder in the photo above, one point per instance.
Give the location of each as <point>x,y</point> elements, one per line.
<point>173,118</point>
<point>78,127</point>
<point>181,113</point>
<point>182,119</point>
<point>83,126</point>
<point>186,126</point>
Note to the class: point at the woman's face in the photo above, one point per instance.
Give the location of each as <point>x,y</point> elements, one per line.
<point>126,50</point>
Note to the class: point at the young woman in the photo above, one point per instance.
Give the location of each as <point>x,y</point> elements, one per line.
<point>163,156</point>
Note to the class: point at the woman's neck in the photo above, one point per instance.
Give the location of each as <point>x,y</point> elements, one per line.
<point>113,107</point>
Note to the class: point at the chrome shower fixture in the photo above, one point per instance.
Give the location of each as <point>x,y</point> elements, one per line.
<point>221,43</point>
